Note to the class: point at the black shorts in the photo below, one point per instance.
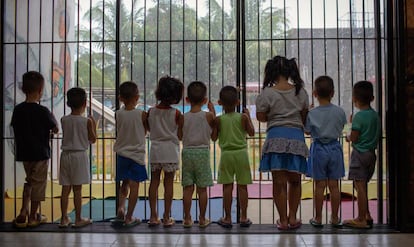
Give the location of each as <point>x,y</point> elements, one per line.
<point>362,165</point>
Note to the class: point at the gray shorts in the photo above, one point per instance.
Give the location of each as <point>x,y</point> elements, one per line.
<point>362,165</point>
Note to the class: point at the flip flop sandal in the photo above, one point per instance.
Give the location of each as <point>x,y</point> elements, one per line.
<point>154,223</point>
<point>224,224</point>
<point>83,223</point>
<point>296,225</point>
<point>133,223</point>
<point>40,219</point>
<point>246,223</point>
<point>189,225</point>
<point>281,227</point>
<point>314,223</point>
<point>169,223</point>
<point>355,224</point>
<point>207,222</point>
<point>337,225</point>
<point>66,224</point>
<point>19,225</point>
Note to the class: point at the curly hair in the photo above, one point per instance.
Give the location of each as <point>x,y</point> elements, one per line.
<point>169,90</point>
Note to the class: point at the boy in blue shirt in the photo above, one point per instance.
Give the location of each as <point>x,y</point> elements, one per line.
<point>364,137</point>
<point>325,124</point>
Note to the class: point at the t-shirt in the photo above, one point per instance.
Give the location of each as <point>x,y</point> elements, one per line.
<point>367,123</point>
<point>325,123</point>
<point>130,131</point>
<point>282,107</point>
<point>31,124</point>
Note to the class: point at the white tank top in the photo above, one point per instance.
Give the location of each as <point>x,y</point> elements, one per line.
<point>75,133</point>
<point>163,126</point>
<point>130,139</point>
<point>196,130</point>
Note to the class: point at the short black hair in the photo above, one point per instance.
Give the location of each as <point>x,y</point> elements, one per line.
<point>363,92</point>
<point>32,81</point>
<point>128,90</point>
<point>196,92</point>
<point>169,90</point>
<point>324,86</point>
<point>228,96</point>
<point>76,97</point>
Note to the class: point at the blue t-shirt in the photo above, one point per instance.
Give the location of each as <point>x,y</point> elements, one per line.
<point>367,123</point>
<point>325,123</point>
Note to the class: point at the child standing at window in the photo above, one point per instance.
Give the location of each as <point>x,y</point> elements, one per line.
<point>163,124</point>
<point>78,133</point>
<point>283,105</point>
<point>365,132</point>
<point>231,128</point>
<point>130,150</point>
<point>32,124</point>
<point>325,124</point>
<point>196,135</point>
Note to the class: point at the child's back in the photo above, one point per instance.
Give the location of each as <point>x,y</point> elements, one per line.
<point>326,123</point>
<point>130,124</point>
<point>232,135</point>
<point>196,130</point>
<point>163,124</point>
<point>32,123</point>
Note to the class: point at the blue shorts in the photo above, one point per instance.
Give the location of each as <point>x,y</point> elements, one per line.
<point>129,169</point>
<point>326,161</point>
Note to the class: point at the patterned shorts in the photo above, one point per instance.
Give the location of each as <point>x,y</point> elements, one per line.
<point>196,167</point>
<point>167,167</point>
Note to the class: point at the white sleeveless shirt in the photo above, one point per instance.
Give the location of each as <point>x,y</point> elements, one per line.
<point>75,133</point>
<point>196,130</point>
<point>163,126</point>
<point>130,140</point>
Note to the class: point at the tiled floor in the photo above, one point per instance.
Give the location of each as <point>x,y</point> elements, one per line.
<point>34,239</point>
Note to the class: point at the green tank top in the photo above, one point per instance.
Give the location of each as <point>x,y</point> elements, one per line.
<point>232,136</point>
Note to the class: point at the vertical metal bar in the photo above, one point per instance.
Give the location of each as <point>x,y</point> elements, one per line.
<point>364,39</point>
<point>52,98</point>
<point>145,102</point>
<point>77,54</point>
<point>240,20</point>
<point>196,41</point>
<point>339,84</point>
<point>170,43</point>
<point>132,41</point>
<point>258,84</point>
<point>2,167</point>
<point>102,110</point>
<point>40,35</point>
<point>378,60</point>
<point>27,35</point>
<point>325,71</point>
<point>117,77</point>
<point>284,26</point>
<point>351,25</point>
<point>14,100</point>
<point>90,108</point>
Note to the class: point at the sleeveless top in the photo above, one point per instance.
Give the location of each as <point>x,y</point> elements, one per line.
<point>232,136</point>
<point>130,140</point>
<point>196,130</point>
<point>75,133</point>
<point>163,126</point>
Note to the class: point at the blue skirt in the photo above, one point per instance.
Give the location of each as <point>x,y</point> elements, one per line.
<point>284,149</point>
